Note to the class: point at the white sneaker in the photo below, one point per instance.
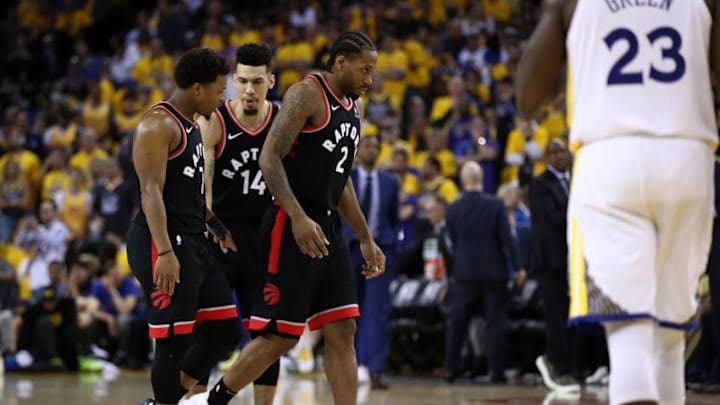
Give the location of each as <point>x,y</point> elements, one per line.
<point>197,399</point>
<point>562,384</point>
<point>305,361</point>
<point>363,375</point>
<point>597,377</point>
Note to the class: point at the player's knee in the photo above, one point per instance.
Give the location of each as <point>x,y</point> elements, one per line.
<point>165,374</point>
<point>276,344</point>
<point>340,333</point>
<point>270,376</point>
<point>223,334</point>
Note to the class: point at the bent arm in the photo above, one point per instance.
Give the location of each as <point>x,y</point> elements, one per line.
<point>542,60</point>
<point>297,108</point>
<point>211,131</point>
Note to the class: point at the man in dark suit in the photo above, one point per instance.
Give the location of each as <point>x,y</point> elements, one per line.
<point>548,206</point>
<point>379,195</point>
<point>485,259</point>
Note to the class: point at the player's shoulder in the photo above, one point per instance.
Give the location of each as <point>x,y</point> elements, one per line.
<point>307,87</point>
<point>157,120</point>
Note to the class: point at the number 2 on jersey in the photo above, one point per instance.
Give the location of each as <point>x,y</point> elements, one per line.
<point>618,76</point>
<point>339,168</point>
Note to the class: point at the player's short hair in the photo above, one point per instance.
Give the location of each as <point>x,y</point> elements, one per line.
<point>349,43</point>
<point>199,65</point>
<point>254,55</point>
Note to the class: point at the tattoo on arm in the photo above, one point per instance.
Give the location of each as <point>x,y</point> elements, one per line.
<point>285,129</point>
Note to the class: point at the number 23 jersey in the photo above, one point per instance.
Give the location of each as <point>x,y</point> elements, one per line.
<point>321,159</point>
<point>640,68</point>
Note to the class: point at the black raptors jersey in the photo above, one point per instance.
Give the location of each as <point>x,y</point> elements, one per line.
<point>320,162</point>
<point>183,193</point>
<point>239,191</point>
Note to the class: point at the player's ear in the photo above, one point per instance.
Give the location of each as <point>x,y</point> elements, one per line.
<point>340,61</point>
<point>196,88</point>
<point>271,81</point>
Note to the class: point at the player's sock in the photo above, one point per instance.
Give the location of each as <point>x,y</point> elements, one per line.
<point>630,346</point>
<point>670,365</point>
<point>220,394</point>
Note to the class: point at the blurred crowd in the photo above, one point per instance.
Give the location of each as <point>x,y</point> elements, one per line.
<point>78,75</point>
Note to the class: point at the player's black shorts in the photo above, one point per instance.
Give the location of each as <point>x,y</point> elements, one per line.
<point>202,294</point>
<point>243,269</point>
<point>299,289</point>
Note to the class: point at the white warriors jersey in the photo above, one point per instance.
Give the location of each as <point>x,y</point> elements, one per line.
<point>640,67</point>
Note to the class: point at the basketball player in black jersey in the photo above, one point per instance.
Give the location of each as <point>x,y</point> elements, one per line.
<point>235,189</point>
<point>306,163</point>
<point>167,249</point>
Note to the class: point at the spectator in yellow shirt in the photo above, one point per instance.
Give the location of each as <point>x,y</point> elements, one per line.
<point>87,152</point>
<point>75,204</point>
<point>56,177</point>
<point>435,182</point>
<point>437,149</point>
<point>525,147</point>
<point>157,63</point>
<point>407,176</point>
<point>96,112</point>
<point>293,59</point>
<point>390,140</point>
<point>393,65</point>
<point>212,38</point>
<point>127,119</point>
<point>28,161</point>
<point>63,133</point>
<point>497,9</point>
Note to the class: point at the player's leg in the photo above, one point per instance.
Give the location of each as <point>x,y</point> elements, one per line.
<point>171,318</point>
<point>333,310</point>
<point>612,246</point>
<point>248,285</point>
<point>279,312</point>
<point>218,327</point>
<point>684,220</point>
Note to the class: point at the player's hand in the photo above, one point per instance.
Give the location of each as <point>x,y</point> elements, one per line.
<point>227,243</point>
<point>374,259</point>
<point>220,234</point>
<point>310,237</point>
<point>167,273</point>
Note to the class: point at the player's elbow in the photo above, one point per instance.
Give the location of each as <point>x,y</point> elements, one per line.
<point>267,159</point>
<point>527,104</point>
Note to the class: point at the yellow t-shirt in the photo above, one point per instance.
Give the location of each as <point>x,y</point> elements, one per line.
<point>62,138</point>
<point>397,60</point>
<point>497,9</point>
<point>448,166</point>
<point>247,37</point>
<point>516,144</point>
<point>97,117</point>
<point>81,160</point>
<point>127,123</point>
<point>419,63</point>
<point>146,69</point>
<point>387,149</point>
<point>29,165</point>
<point>74,213</point>
<point>212,41</point>
<point>444,188</point>
<point>292,52</point>
<point>54,181</point>
<point>411,184</point>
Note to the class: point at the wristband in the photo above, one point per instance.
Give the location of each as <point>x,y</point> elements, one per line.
<point>217,228</point>
<point>165,252</point>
